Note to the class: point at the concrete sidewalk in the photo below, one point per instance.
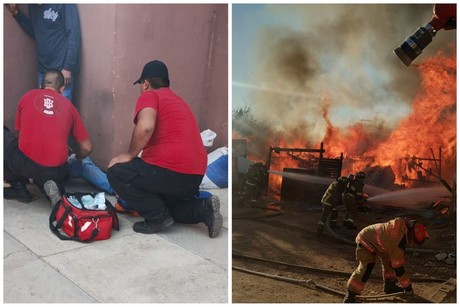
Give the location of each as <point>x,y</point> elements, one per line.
<point>180,265</point>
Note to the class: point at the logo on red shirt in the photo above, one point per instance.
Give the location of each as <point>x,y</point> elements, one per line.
<point>47,104</point>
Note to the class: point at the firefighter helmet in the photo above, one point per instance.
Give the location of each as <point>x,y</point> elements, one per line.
<point>416,231</point>
<point>360,176</point>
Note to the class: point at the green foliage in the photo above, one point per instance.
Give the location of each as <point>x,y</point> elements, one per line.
<point>241,112</point>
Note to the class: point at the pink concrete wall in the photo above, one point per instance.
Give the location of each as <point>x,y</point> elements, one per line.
<point>19,65</point>
<point>117,40</point>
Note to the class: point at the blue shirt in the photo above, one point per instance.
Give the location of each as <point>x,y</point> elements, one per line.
<point>56,29</point>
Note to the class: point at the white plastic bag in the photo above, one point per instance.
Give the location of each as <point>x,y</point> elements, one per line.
<point>208,136</point>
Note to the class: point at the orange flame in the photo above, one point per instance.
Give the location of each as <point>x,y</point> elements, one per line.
<point>430,126</point>
<point>432,123</point>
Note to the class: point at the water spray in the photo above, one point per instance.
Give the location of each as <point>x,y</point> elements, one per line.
<point>416,198</point>
<point>303,177</point>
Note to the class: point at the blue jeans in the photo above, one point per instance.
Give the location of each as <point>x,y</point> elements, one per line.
<point>68,90</point>
<point>89,171</point>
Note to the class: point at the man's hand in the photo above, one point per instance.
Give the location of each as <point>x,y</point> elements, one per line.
<point>123,158</point>
<point>13,9</point>
<point>67,77</point>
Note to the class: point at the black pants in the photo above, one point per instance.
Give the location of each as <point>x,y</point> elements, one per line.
<point>158,193</point>
<point>18,167</point>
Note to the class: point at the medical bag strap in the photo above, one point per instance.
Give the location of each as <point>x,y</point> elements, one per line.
<point>113,213</point>
<point>55,229</point>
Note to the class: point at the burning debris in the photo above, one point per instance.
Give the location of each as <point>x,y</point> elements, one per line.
<point>432,122</point>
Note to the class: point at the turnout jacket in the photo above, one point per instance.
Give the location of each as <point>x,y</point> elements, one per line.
<point>333,195</point>
<point>387,238</point>
<point>355,190</point>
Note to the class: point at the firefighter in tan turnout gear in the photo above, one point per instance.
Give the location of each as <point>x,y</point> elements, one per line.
<point>332,199</point>
<point>388,242</point>
<point>352,197</point>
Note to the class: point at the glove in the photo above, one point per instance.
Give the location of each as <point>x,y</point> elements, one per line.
<point>365,197</point>
<point>409,291</point>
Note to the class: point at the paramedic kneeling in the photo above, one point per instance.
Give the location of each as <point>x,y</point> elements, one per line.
<point>44,121</point>
<point>163,184</point>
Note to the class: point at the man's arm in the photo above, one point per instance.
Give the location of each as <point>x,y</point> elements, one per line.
<point>146,120</point>
<point>145,126</point>
<point>22,19</point>
<point>72,25</point>
<point>84,149</point>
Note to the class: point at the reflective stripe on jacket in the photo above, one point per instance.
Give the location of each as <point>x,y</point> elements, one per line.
<point>385,238</point>
<point>333,195</point>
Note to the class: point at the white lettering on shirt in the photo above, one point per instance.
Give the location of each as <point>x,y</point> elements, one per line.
<point>49,14</point>
<point>48,103</point>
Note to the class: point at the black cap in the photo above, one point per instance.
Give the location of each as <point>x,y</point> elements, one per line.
<point>154,69</point>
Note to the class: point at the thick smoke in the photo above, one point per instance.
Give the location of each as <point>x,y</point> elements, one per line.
<point>339,62</point>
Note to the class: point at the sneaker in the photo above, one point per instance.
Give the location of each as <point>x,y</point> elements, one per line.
<point>149,227</point>
<point>213,218</point>
<point>120,209</point>
<point>52,191</point>
<point>17,191</point>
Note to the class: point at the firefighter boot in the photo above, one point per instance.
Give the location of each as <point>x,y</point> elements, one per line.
<point>320,227</point>
<point>390,287</point>
<point>18,191</point>
<point>334,217</point>
<point>334,225</point>
<point>349,224</point>
<point>350,297</point>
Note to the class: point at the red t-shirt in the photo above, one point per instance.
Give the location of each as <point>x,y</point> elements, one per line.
<point>176,142</point>
<point>45,120</point>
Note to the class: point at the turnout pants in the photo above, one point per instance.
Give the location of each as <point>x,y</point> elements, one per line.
<point>18,167</point>
<point>366,260</point>
<point>158,193</point>
<point>328,209</point>
<point>352,208</point>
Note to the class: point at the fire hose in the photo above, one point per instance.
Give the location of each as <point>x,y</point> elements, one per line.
<point>318,270</point>
<point>314,285</point>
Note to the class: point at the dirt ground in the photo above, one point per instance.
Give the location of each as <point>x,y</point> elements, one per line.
<point>279,241</point>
